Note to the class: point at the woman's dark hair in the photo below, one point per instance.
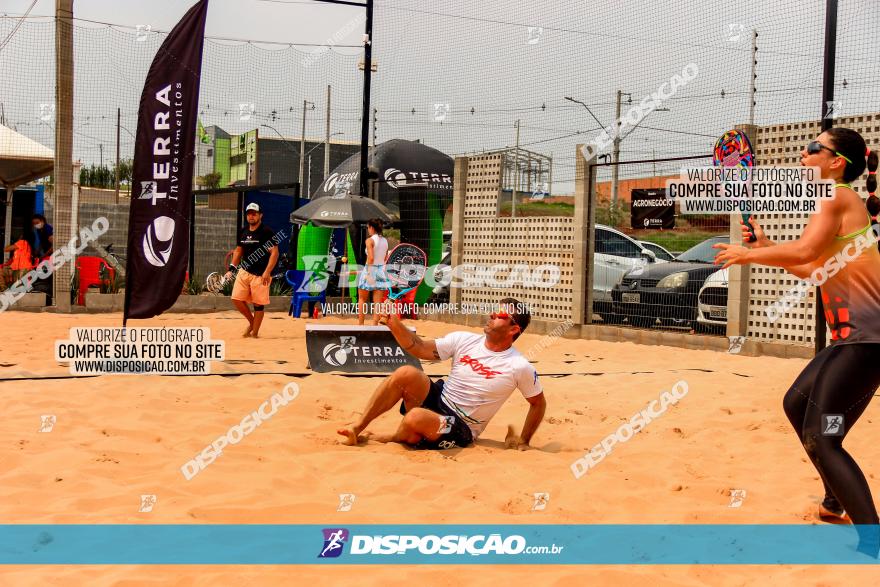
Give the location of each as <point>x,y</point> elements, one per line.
<point>39,217</point>
<point>376,224</point>
<point>849,143</point>
<point>873,202</point>
<point>29,237</point>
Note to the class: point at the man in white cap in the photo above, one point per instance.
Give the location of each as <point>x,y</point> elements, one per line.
<point>254,268</point>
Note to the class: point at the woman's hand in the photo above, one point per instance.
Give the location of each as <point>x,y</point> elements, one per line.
<point>754,228</point>
<point>731,255</point>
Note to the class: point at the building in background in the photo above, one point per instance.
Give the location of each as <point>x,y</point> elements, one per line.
<point>252,158</point>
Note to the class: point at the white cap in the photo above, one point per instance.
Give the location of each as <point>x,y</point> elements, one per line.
<point>253,206</point>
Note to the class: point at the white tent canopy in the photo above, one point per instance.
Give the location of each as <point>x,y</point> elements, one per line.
<point>21,160</point>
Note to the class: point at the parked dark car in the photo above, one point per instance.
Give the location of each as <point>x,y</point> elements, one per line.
<point>667,291</point>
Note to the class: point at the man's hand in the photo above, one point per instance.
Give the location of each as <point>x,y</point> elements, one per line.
<point>514,440</point>
<point>227,276</point>
<point>385,310</point>
<point>266,278</point>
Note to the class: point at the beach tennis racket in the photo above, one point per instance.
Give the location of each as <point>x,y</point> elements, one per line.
<point>405,269</point>
<point>215,281</point>
<point>733,149</point>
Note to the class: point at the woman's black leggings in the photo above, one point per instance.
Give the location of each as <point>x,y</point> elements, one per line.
<point>839,381</point>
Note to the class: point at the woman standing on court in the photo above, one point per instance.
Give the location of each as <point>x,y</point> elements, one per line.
<point>837,385</point>
<point>372,277</point>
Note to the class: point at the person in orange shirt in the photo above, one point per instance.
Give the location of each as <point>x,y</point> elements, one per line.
<point>22,259</point>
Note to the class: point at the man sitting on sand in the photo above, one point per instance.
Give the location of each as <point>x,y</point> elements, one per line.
<point>485,371</point>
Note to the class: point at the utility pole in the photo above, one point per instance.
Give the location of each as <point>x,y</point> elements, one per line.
<point>327,138</point>
<point>65,208</point>
<point>827,122</point>
<point>615,157</point>
<point>118,124</point>
<point>101,149</point>
<point>516,176</point>
<point>375,113</point>
<point>302,145</point>
<point>365,111</point>
<point>752,89</point>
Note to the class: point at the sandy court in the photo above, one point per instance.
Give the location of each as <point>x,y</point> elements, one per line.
<point>119,437</point>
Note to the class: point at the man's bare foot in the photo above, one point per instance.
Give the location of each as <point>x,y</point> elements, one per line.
<point>350,436</point>
<point>247,333</point>
<point>255,335</point>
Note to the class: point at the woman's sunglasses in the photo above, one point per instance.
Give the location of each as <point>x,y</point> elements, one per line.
<point>816,147</point>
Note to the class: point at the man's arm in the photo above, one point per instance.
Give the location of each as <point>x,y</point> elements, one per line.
<point>236,258</point>
<point>411,342</point>
<point>537,407</point>
<point>273,258</point>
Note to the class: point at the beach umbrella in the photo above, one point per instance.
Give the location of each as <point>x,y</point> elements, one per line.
<point>341,211</point>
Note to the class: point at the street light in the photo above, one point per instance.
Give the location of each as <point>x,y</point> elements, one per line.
<point>309,154</point>
<point>324,141</point>
<point>281,136</point>
<point>615,157</point>
<point>615,168</point>
<point>570,99</point>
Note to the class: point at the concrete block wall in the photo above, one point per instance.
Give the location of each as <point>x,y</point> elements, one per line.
<point>216,233</point>
<point>486,240</point>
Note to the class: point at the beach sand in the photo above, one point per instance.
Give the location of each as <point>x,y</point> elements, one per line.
<point>119,437</point>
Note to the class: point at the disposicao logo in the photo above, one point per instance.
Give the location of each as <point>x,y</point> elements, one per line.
<point>334,541</point>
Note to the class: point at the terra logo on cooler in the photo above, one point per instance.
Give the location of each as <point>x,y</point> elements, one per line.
<point>159,234</point>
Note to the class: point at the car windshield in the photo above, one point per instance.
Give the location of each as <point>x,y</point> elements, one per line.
<point>703,252</point>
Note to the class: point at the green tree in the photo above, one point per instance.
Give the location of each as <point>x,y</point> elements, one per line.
<point>209,180</point>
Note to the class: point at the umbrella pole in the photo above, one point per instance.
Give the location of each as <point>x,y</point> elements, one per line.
<point>7,225</point>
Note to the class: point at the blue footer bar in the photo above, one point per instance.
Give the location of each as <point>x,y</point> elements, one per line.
<point>682,544</point>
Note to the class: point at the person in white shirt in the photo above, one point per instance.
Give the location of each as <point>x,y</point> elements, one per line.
<point>372,281</point>
<point>485,371</point>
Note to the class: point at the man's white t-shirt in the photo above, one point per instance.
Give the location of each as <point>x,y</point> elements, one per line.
<point>481,380</point>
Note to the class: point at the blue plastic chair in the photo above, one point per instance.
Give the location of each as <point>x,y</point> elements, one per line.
<point>295,278</point>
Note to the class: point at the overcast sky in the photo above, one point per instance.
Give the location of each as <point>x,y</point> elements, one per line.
<point>491,61</point>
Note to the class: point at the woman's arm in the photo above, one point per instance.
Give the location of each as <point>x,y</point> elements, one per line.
<point>818,235</point>
<point>802,270</point>
<point>370,246</point>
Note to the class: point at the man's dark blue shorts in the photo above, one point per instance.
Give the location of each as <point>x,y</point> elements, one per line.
<point>459,434</point>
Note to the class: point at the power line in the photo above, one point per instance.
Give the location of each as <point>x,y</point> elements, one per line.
<point>17,26</point>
